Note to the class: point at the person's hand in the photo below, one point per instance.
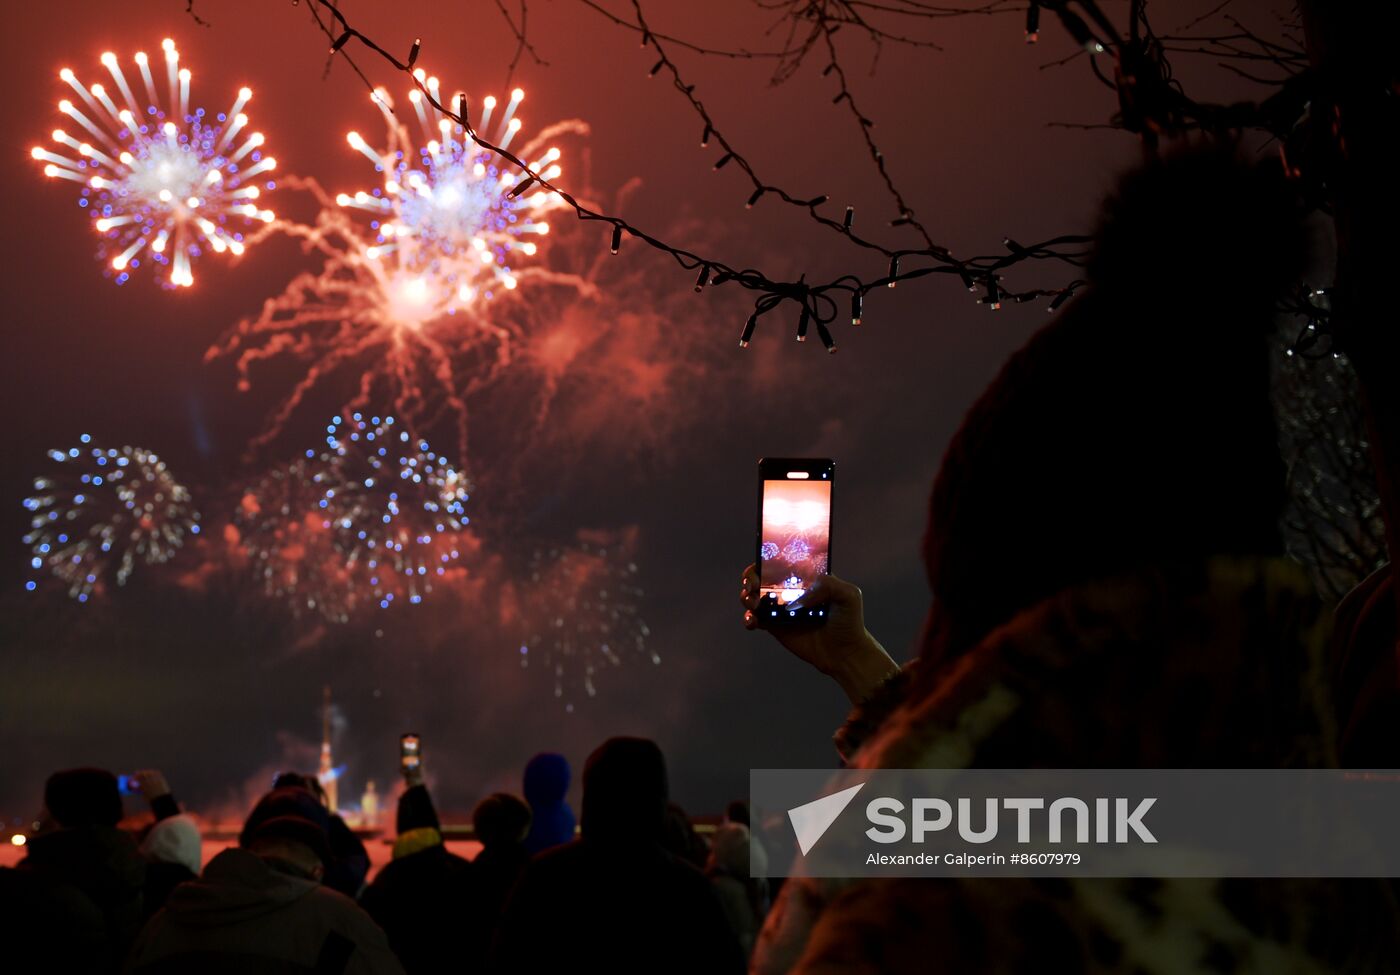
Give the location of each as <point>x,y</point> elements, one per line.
<point>840,646</point>
<point>151,783</point>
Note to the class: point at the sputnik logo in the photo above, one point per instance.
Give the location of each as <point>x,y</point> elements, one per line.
<point>811,820</point>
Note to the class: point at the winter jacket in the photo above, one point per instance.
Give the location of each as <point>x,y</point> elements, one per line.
<point>244,916</point>
<point>498,868</point>
<point>1366,675</point>
<point>1208,666</point>
<point>102,864</point>
<point>161,881</point>
<point>424,902</point>
<point>591,906</point>
<point>50,926</point>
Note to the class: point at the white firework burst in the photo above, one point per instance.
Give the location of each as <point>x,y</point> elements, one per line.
<point>445,208</point>
<point>411,295</point>
<point>160,183</point>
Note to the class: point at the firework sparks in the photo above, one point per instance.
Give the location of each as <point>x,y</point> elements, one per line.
<point>160,181</point>
<point>411,268</point>
<point>377,513</point>
<point>444,207</point>
<point>105,508</point>
<point>397,507</point>
<point>580,609</point>
<point>282,524</point>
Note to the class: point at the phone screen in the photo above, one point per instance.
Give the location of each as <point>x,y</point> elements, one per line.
<point>409,755</point>
<point>794,533</point>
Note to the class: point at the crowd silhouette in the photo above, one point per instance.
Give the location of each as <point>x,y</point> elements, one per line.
<point>292,896</point>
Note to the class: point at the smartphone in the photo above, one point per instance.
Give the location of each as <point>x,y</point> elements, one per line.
<point>410,757</point>
<point>794,535</point>
<point>128,785</point>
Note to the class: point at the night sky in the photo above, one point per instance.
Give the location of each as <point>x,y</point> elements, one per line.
<point>654,428</point>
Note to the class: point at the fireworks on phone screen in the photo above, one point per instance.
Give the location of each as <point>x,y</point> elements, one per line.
<point>796,534</point>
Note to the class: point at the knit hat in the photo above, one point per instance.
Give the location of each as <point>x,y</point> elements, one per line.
<point>174,839</point>
<point>1136,428</point>
<point>625,790</point>
<point>289,813</point>
<point>83,797</point>
<point>295,829</point>
<point>416,810</point>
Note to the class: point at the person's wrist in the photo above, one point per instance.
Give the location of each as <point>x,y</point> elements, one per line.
<point>863,669</point>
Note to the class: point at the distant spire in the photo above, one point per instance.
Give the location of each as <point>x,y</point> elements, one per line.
<point>326,773</point>
<point>326,717</point>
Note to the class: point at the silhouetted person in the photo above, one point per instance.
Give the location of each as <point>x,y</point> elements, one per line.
<point>613,900</point>
<point>737,869</point>
<point>75,899</point>
<point>50,926</point>
<point>349,862</point>
<point>423,898</point>
<point>679,838</point>
<point>172,846</point>
<point>90,852</point>
<point>546,783</point>
<point>1109,591</point>
<point>501,822</point>
<point>261,909</point>
<point>172,850</point>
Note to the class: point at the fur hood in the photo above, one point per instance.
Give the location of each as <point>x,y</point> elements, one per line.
<point>1216,665</point>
